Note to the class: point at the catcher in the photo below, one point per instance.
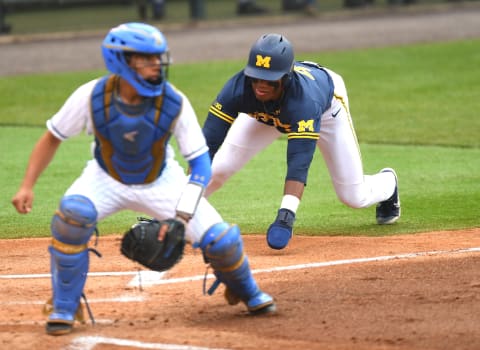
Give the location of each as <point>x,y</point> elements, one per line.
<point>132,114</point>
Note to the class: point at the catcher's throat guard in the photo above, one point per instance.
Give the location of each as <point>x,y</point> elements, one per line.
<point>147,243</point>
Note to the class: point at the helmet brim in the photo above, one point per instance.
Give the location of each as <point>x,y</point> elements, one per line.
<point>263,74</point>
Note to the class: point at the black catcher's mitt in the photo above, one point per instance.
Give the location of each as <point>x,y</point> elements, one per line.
<point>142,243</point>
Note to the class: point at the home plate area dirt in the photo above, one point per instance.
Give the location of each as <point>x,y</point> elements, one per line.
<point>410,292</point>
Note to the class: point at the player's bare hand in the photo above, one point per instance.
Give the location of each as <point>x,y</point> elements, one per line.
<point>162,232</point>
<point>23,200</point>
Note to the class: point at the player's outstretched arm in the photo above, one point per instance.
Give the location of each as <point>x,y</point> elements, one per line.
<point>41,156</point>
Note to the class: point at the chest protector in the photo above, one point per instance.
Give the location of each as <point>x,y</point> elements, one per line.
<point>132,148</point>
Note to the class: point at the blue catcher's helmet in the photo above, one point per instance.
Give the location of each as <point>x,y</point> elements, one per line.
<point>271,58</point>
<point>136,38</point>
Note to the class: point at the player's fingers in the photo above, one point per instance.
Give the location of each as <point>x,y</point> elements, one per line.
<point>162,232</point>
<point>23,204</point>
<point>17,205</point>
<point>27,206</point>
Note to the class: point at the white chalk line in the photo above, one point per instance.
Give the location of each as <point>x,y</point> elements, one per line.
<point>323,264</point>
<point>88,343</point>
<point>151,278</point>
<point>104,321</point>
<point>146,277</point>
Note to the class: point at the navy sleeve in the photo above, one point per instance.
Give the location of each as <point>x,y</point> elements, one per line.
<point>299,157</point>
<point>222,112</point>
<point>215,130</point>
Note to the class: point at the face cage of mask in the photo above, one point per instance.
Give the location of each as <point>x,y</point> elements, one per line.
<point>164,65</point>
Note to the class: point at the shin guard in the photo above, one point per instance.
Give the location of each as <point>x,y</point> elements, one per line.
<point>222,247</point>
<point>72,227</point>
<point>69,274</point>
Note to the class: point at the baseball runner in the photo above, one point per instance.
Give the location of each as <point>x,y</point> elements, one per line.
<point>275,95</point>
<point>132,114</point>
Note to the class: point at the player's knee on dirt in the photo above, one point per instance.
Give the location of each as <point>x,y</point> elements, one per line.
<point>74,222</point>
<point>222,247</point>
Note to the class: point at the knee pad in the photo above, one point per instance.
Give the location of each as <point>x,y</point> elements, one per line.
<point>75,221</point>
<point>222,246</point>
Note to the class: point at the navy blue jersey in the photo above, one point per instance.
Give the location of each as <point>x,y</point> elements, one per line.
<point>307,95</point>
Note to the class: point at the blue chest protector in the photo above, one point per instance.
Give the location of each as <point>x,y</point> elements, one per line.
<point>132,148</point>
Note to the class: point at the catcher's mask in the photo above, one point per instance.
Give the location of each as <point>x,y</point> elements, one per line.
<point>141,38</point>
<point>271,58</point>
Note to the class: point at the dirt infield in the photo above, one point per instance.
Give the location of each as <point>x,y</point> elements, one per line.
<point>402,292</point>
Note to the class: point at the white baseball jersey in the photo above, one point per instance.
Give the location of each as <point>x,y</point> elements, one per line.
<point>157,199</point>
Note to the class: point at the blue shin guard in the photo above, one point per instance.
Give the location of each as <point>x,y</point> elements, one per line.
<point>69,274</point>
<point>222,247</point>
<point>72,227</point>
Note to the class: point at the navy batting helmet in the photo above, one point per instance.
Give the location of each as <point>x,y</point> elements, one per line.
<point>271,58</point>
<point>136,38</point>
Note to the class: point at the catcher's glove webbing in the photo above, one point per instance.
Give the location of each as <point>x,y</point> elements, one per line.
<point>143,244</point>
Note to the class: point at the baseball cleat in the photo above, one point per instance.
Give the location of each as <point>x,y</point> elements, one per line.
<point>388,211</point>
<point>261,303</point>
<point>59,323</point>
<point>231,298</point>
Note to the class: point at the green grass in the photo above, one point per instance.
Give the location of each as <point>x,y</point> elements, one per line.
<point>419,94</point>
<point>414,109</point>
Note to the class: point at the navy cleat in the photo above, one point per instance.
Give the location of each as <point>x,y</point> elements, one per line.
<point>388,211</point>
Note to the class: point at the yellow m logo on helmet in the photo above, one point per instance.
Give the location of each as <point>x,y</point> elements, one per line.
<point>263,61</point>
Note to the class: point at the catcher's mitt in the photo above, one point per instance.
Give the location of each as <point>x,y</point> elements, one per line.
<point>143,243</point>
